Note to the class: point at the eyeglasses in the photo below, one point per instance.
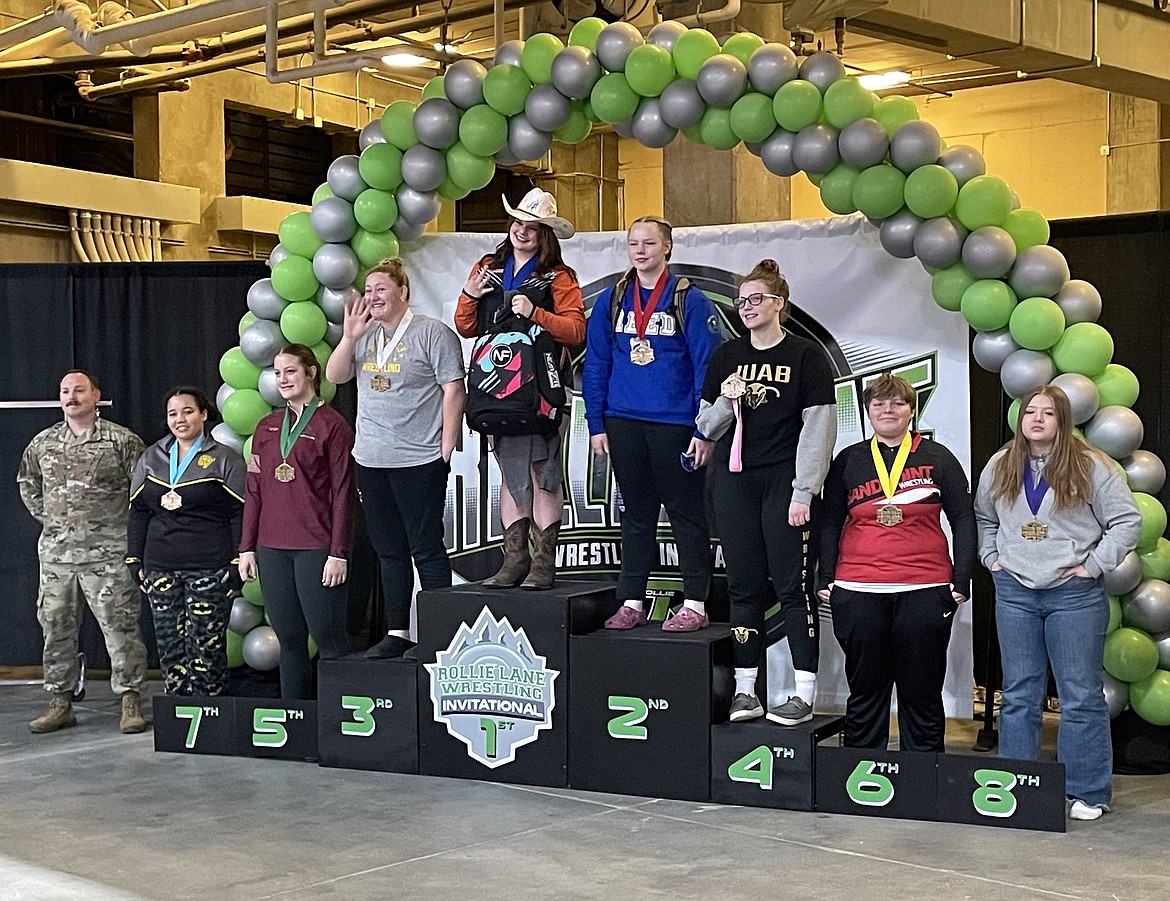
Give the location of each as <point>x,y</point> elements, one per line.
<point>752,300</point>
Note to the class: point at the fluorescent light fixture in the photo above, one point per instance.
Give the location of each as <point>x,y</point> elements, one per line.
<point>404,60</point>
<point>877,81</point>
<point>440,47</point>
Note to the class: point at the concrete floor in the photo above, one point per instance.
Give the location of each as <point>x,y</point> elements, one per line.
<point>92,814</point>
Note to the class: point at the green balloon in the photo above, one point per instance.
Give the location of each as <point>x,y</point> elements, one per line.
<point>483,131</point>
<point>878,191</point>
<point>649,69</point>
<point>398,124</point>
<point>1013,414</point>
<point>433,88</point>
<point>505,89</point>
<point>244,407</point>
<point>235,649</point>
<point>1153,520</point>
<point>931,191</point>
<point>743,45</point>
<point>947,286</point>
<point>846,101</point>
<point>815,177</point>
<point>302,323</point>
<point>323,191</point>
<point>237,370</point>
<point>893,112</point>
<point>293,278</point>
<point>468,170</point>
<point>693,48</point>
<point>1037,323</point>
<point>312,646</point>
<point>247,451</point>
<point>375,210</point>
<point>328,390</point>
<point>322,352</point>
<point>751,117</point>
<point>693,133</point>
<point>372,248</point>
<point>537,56</point>
<point>585,32</point>
<point>1114,615</point>
<point>577,128</point>
<point>1156,560</point>
<point>715,129</point>
<point>1085,347</point>
<point>252,592</point>
<point>380,166</point>
<point>613,99</point>
<point>1118,386</point>
<point>984,200</point>
<point>1130,655</point>
<point>1150,698</point>
<point>297,236</point>
<point>246,320</point>
<point>589,113</point>
<point>1027,228</point>
<point>987,304</point>
<point>837,189</point>
<point>451,190</point>
<point>797,105</point>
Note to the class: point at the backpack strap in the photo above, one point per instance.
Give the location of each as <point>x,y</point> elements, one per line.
<point>679,301</point>
<point>615,299</point>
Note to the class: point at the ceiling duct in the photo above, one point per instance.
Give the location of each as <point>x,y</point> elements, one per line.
<point>817,15</point>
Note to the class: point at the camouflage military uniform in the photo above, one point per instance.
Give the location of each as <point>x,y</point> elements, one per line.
<point>77,487</point>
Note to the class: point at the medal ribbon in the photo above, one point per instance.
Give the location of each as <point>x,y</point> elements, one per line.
<point>179,467</point>
<point>384,347</point>
<point>289,438</point>
<point>736,463</point>
<point>642,314</point>
<point>1034,491</point>
<point>512,279</point>
<point>888,479</point>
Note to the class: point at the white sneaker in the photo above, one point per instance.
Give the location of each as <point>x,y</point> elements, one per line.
<point>1082,811</point>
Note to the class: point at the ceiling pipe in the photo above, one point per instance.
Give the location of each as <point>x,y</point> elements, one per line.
<point>27,30</point>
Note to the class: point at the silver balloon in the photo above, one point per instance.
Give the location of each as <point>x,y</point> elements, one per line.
<point>615,43</point>
<point>863,143</point>
<point>423,167</point>
<point>1116,694</point>
<point>682,105</point>
<point>261,648</point>
<point>371,134</point>
<point>1147,607</point>
<point>1144,472</point>
<point>815,148</point>
<point>1024,370</point>
<point>939,242</point>
<point>1117,431</point>
<point>547,108</point>
<point>225,391</point>
<point>822,69</point>
<point>263,300</point>
<point>771,67</point>
<point>244,616</point>
<point>964,162</point>
<point>336,265</point>
<point>625,128</point>
<point>649,128</point>
<point>1126,577</point>
<point>1083,395</point>
<point>332,301</point>
<point>990,349</point>
<point>664,34</point>
<point>1040,271</point>
<point>261,341</point>
<point>334,332</point>
<point>915,144</point>
<point>436,122</point>
<point>777,154</point>
<point>1163,643</point>
<point>463,82</point>
<point>332,219</point>
<point>509,53</point>
<point>1080,301</point>
<point>753,147</point>
<point>989,252</point>
<point>224,435</point>
<point>268,389</point>
<point>525,140</point>
<point>897,234</point>
<point>345,181</point>
<point>416,206</point>
<point>575,70</point>
<point>503,157</point>
<point>406,232</point>
<point>721,80</point>
<point>277,254</point>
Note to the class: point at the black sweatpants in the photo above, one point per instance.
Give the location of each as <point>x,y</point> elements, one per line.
<point>894,639</point>
<point>191,611</point>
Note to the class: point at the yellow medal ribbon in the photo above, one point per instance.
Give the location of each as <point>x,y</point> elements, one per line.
<point>889,479</point>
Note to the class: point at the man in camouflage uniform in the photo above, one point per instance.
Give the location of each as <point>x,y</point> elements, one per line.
<point>75,478</point>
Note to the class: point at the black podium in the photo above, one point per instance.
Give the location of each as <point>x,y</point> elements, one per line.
<point>367,714</point>
<point>194,725</point>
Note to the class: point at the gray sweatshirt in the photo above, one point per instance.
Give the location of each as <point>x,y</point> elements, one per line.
<point>1096,535</point>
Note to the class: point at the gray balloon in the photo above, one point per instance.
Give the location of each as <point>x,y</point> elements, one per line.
<point>575,70</point>
<point>822,69</point>
<point>334,332</point>
<point>681,103</point>
<point>815,148</point>
<point>268,389</point>
<point>1144,471</point>
<point>244,616</point>
<point>721,80</point>
<point>416,206</point>
<point>1117,431</point>
<point>1126,577</point>
<point>1116,695</point>
<point>1163,643</point>
<point>527,141</point>
<point>225,391</point>
<point>547,108</point>
<point>777,153</point>
<point>260,342</point>
<point>1040,271</point>
<point>770,67</point>
<point>625,128</point>
<point>406,232</point>
<point>345,181</point>
<point>1079,300</point>
<point>332,301</point>
<point>753,147</point>
<point>863,143</point>
<point>664,34</point>
<point>463,82</point>
<point>649,127</point>
<point>336,265</point>
<point>277,254</point>
<point>989,252</point>
<point>1015,198</point>
<point>615,43</point>
<point>1083,395</point>
<point>509,53</point>
<point>371,134</point>
<point>225,436</point>
<point>332,219</point>
<point>1147,607</point>
<point>897,234</point>
<point>423,167</point>
<point>990,349</point>
<point>263,300</point>
<point>505,157</point>
<point>261,648</point>
<point>1024,370</point>
<point>436,122</point>
<point>915,144</point>
<point>964,162</point>
<point>939,242</point>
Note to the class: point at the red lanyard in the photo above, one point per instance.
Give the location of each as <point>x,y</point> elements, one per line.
<point>642,314</point>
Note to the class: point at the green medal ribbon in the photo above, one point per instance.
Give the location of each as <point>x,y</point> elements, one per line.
<point>289,437</point>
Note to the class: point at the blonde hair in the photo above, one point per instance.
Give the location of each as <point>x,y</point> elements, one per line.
<point>664,228</point>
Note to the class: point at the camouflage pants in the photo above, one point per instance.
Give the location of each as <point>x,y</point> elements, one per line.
<point>191,610</point>
<point>116,604</point>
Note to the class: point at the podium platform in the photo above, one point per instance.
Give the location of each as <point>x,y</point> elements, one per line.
<point>367,714</point>
<point>194,725</point>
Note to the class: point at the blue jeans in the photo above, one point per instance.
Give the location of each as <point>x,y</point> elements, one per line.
<point>1065,627</point>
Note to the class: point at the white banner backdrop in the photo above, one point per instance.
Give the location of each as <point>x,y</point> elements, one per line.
<point>869,311</point>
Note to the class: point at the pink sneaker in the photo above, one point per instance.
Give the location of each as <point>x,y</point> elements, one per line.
<point>686,620</point>
<point>626,618</point>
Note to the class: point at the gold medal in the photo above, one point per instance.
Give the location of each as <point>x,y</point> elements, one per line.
<point>889,514</point>
<point>380,383</point>
<point>733,387</point>
<point>285,473</point>
<point>171,500</point>
<point>1034,530</point>
<point>641,353</point>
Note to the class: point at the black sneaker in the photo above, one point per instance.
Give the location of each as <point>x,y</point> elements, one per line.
<point>389,647</point>
<point>746,706</point>
<point>792,712</point>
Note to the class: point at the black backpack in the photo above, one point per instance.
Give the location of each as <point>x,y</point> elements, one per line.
<point>677,306</point>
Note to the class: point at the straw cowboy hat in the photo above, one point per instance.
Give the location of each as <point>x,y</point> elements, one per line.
<point>540,206</point>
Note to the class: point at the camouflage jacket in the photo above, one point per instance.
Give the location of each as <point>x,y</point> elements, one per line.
<point>77,488</point>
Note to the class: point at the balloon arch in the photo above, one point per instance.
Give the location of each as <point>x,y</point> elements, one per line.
<point>988,257</point>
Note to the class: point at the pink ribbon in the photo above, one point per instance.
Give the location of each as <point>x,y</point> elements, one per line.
<point>736,464</point>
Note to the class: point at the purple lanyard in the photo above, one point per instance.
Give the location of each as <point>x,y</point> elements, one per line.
<point>1034,491</point>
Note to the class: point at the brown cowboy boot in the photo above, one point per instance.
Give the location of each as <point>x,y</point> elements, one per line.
<point>516,558</point>
<point>60,714</point>
<point>544,558</point>
<point>132,722</point>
